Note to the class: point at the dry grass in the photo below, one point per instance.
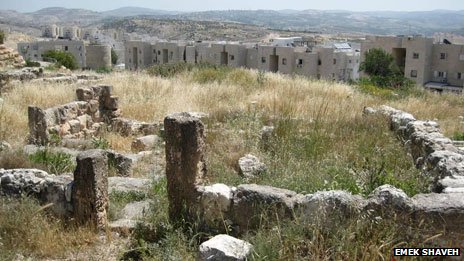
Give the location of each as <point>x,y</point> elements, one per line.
<point>322,142</point>
<point>25,229</point>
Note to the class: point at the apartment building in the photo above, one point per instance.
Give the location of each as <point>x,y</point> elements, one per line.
<point>438,66</point>
<point>323,63</point>
<point>91,56</point>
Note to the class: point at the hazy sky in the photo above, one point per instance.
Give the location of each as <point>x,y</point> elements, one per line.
<point>200,5</point>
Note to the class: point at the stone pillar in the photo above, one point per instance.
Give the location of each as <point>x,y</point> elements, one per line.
<point>37,126</point>
<point>185,164</point>
<point>90,189</point>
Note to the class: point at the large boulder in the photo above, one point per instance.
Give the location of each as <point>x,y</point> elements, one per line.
<point>224,248</point>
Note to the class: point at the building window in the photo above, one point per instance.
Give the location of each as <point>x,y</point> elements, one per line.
<point>263,59</point>
<point>154,51</point>
<point>159,52</point>
<point>335,61</point>
<point>318,76</point>
<point>415,56</point>
<point>284,61</point>
<point>459,76</point>
<point>442,56</point>
<point>414,73</point>
<point>66,48</point>
<point>300,61</point>
<point>442,74</point>
<point>171,54</point>
<point>130,61</point>
<point>232,57</point>
<point>349,61</point>
<point>140,51</point>
<point>319,62</point>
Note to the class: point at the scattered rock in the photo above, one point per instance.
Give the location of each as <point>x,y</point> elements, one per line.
<point>250,166</point>
<point>224,248</point>
<point>267,133</point>
<point>145,143</point>
<point>4,146</point>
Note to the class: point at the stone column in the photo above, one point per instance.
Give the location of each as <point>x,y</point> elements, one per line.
<point>90,189</point>
<point>37,126</point>
<point>185,164</point>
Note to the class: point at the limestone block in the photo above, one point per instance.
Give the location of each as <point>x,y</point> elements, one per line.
<point>224,248</point>
<point>389,199</point>
<point>216,201</point>
<point>75,126</point>
<point>145,143</point>
<point>251,201</point>
<point>90,190</point>
<point>185,163</point>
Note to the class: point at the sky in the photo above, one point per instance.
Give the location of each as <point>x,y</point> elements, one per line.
<point>202,5</point>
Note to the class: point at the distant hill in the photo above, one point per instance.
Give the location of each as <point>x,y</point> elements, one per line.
<point>338,21</point>
<point>137,11</point>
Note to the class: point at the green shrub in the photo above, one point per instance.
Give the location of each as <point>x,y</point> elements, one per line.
<point>114,57</point>
<point>383,71</point>
<point>2,37</point>
<point>169,70</point>
<point>62,59</point>
<point>103,70</point>
<point>30,63</point>
<point>100,143</point>
<point>458,136</point>
<point>55,162</point>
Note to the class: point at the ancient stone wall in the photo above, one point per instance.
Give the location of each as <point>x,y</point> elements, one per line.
<point>435,154</point>
<point>40,185</point>
<point>96,109</point>
<point>241,208</point>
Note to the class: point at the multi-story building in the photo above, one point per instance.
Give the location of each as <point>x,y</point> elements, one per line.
<point>91,56</point>
<point>438,66</point>
<point>327,63</point>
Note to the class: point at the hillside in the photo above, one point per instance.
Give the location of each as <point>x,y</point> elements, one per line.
<point>426,23</point>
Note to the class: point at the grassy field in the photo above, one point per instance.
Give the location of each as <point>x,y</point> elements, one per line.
<point>321,142</point>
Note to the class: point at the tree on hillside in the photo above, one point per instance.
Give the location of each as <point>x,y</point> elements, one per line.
<point>2,37</point>
<point>114,57</point>
<point>62,58</point>
<point>382,69</point>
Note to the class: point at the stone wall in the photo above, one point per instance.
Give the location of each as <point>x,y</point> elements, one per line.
<point>38,184</point>
<point>435,154</point>
<point>96,109</point>
<point>221,207</point>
